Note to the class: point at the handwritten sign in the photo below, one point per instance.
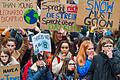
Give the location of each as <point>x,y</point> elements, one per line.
<point>56,1</point>
<point>57,15</point>
<point>41,42</point>
<point>10,72</point>
<point>102,13</point>
<point>12,11</point>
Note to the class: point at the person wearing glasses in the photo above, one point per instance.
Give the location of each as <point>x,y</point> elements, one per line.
<point>105,65</point>
<point>63,64</point>
<point>5,58</point>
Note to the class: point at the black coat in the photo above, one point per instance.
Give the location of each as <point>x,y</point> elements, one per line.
<point>104,68</point>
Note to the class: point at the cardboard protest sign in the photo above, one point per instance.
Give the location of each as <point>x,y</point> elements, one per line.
<point>41,42</point>
<point>56,1</point>
<point>103,13</point>
<point>57,15</point>
<point>12,12</point>
<point>64,1</point>
<point>10,72</point>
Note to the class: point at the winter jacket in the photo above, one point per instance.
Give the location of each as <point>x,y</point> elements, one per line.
<point>60,68</point>
<point>57,62</point>
<point>24,74</point>
<point>116,53</point>
<point>35,73</point>
<point>84,69</point>
<point>104,68</point>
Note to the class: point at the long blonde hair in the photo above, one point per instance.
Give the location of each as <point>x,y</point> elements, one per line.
<point>81,56</point>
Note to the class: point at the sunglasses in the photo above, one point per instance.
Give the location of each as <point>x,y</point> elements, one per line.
<point>64,47</point>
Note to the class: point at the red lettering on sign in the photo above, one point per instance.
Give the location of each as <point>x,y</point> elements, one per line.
<point>72,9</point>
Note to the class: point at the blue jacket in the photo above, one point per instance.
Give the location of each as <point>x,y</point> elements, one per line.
<point>84,69</point>
<point>40,74</point>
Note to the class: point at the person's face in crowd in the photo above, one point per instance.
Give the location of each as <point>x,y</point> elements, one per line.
<point>10,46</point>
<point>59,36</point>
<point>90,49</point>
<point>108,47</point>
<point>71,65</point>
<point>4,57</point>
<point>64,48</point>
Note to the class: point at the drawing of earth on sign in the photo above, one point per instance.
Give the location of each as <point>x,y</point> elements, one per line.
<point>31,16</point>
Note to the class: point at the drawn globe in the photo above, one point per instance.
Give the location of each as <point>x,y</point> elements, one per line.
<point>31,16</point>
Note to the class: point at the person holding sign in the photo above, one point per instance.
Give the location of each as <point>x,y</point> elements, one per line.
<point>11,44</point>
<point>39,69</point>
<point>6,59</point>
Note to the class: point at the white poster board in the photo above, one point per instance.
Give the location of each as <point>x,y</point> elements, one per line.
<point>41,42</point>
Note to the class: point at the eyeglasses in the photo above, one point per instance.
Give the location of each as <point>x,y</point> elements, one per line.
<point>108,46</point>
<point>64,47</point>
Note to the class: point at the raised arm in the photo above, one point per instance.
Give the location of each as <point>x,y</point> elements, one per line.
<point>2,36</point>
<point>24,45</point>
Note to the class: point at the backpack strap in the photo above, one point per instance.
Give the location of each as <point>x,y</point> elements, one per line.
<point>58,59</point>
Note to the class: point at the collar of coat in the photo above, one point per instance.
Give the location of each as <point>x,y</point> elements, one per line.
<point>34,67</point>
<point>104,55</point>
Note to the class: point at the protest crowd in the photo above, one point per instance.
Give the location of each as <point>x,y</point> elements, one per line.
<point>90,54</point>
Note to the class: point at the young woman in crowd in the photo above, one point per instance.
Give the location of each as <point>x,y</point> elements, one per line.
<point>58,36</point>
<point>105,65</point>
<point>5,58</point>
<point>84,57</point>
<point>63,64</point>
<point>31,61</point>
